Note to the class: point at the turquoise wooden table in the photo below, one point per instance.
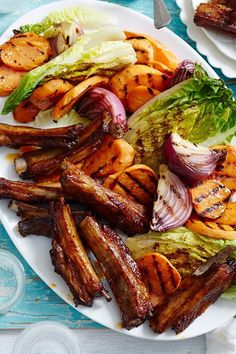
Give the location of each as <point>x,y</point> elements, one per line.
<point>40,302</point>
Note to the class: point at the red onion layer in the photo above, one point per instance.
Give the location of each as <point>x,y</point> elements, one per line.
<point>183,72</point>
<point>191,162</point>
<point>173,206</point>
<point>99,100</point>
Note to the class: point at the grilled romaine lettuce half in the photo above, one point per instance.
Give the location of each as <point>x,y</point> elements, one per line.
<point>87,18</point>
<point>185,249</point>
<point>200,109</point>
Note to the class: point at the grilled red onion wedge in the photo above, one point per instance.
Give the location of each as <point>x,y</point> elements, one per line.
<point>99,100</point>
<point>190,161</point>
<point>173,205</point>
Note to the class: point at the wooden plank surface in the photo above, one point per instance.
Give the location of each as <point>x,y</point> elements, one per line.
<point>104,341</point>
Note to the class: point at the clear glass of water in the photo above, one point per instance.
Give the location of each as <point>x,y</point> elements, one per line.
<point>12,281</point>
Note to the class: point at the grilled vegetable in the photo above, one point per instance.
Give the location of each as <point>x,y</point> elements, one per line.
<point>229,182</point>
<point>183,72</point>
<point>66,103</point>
<point>180,110</point>
<point>123,213</point>
<point>194,295</point>
<point>191,162</point>
<point>211,228</point>
<point>25,112</point>
<point>185,249</point>
<point>9,79</point>
<point>99,100</point>
<point>139,95</point>
<point>120,270</point>
<point>137,75</point>
<point>137,183</point>
<point>62,36</point>
<point>159,276</point>
<point>17,135</point>
<point>143,49</point>
<point>88,56</point>
<point>209,198</point>
<point>88,18</point>
<point>25,52</point>
<point>161,67</point>
<point>229,215</point>
<point>226,171</point>
<point>173,205</point>
<point>46,95</point>
<point>161,52</point>
<point>45,119</point>
<point>114,155</point>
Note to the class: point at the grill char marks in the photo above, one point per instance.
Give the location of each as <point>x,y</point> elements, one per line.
<point>211,228</point>
<point>137,183</point>
<point>192,298</point>
<point>160,277</point>
<point>225,172</point>
<point>130,217</point>
<point>209,198</point>
<point>121,272</point>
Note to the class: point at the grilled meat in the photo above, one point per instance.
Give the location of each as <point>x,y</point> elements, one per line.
<point>45,162</point>
<point>121,272</point>
<point>68,271</point>
<point>66,236</point>
<point>43,226</point>
<point>130,217</point>
<point>16,135</point>
<point>219,15</point>
<point>27,192</point>
<point>34,164</point>
<point>219,258</point>
<point>193,297</point>
<point>213,288</point>
<point>40,226</point>
<point>168,311</point>
<point>27,211</point>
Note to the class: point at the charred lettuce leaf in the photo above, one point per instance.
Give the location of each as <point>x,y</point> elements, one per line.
<point>200,109</point>
<point>185,249</point>
<point>87,18</point>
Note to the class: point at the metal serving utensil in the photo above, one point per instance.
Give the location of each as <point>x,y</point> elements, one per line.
<point>161,14</point>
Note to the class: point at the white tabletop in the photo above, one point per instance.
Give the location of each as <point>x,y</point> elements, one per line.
<point>104,341</point>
